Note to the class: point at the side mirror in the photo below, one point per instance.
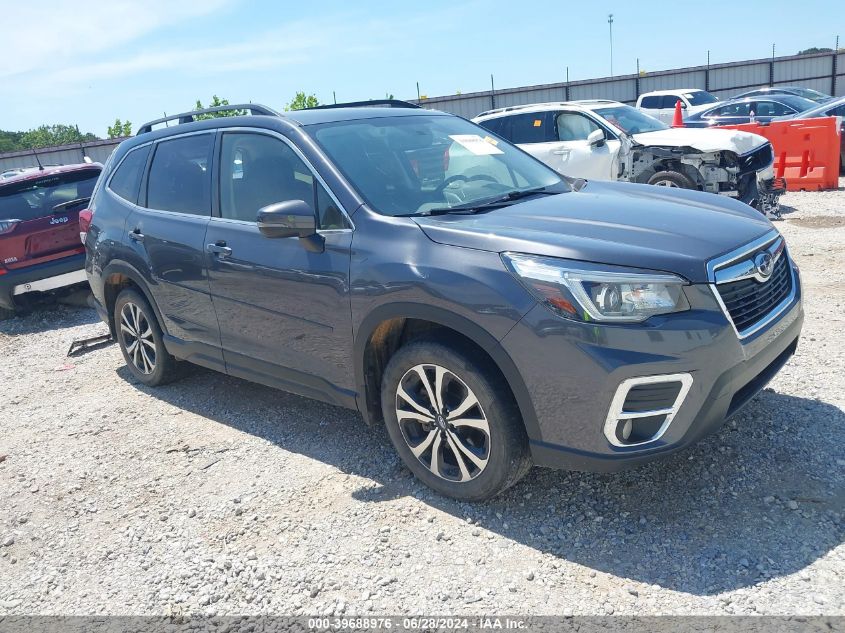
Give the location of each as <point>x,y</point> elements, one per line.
<point>596,138</point>
<point>292,218</point>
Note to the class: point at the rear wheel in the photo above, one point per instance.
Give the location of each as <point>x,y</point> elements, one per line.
<point>453,422</point>
<point>140,339</point>
<point>671,179</point>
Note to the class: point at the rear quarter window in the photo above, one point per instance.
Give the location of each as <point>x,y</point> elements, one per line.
<point>652,103</point>
<point>126,181</point>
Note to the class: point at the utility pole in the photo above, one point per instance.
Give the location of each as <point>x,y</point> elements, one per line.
<point>610,25</point>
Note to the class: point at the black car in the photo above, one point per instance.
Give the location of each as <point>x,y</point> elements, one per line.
<point>414,267</point>
<point>761,109</point>
<point>796,91</point>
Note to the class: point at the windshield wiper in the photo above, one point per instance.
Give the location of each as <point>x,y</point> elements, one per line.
<point>498,201</point>
<point>70,203</point>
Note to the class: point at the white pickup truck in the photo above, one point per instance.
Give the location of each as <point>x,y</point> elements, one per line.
<point>608,140</point>
<point>661,103</point>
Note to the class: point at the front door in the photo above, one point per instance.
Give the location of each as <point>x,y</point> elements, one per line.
<point>282,303</point>
<point>572,155</point>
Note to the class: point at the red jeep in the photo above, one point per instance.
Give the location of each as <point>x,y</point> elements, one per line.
<point>40,250</point>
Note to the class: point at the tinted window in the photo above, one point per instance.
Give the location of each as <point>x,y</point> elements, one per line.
<point>257,170</point>
<point>699,97</point>
<point>652,102</point>
<point>532,128</point>
<point>840,111</point>
<point>126,181</point>
<point>771,108</point>
<point>669,101</point>
<point>741,108</point>
<point>37,198</point>
<point>328,213</point>
<point>179,177</point>
<point>497,125</point>
<point>572,126</point>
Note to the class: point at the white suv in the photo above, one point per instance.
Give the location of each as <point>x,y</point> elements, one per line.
<point>661,103</point>
<point>608,140</point>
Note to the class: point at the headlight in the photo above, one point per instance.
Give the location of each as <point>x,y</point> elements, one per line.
<point>593,292</point>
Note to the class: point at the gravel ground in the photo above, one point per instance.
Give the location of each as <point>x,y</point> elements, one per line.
<point>214,495</point>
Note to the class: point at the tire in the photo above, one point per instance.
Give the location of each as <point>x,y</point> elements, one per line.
<point>6,313</point>
<point>493,445</point>
<point>145,355</point>
<point>671,179</point>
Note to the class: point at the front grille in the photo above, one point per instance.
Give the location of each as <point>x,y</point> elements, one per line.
<point>748,301</point>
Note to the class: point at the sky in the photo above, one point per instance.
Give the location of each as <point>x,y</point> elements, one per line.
<point>87,63</point>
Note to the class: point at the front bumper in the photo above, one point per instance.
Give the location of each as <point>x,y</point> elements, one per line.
<point>51,275</point>
<point>573,370</point>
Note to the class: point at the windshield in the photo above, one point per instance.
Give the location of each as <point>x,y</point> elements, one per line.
<point>415,164</point>
<point>700,97</point>
<point>630,120</point>
<point>813,95</point>
<point>31,199</point>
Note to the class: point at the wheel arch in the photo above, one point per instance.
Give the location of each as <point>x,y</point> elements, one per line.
<point>387,327</point>
<point>117,276</point>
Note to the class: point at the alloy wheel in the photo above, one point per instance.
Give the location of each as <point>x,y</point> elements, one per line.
<point>443,422</point>
<point>137,335</point>
<point>666,183</point>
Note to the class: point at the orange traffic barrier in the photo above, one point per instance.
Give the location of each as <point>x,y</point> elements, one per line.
<point>806,151</point>
<point>678,119</point>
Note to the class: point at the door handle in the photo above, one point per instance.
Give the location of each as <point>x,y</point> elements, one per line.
<point>560,152</point>
<point>219,248</point>
<point>136,236</point>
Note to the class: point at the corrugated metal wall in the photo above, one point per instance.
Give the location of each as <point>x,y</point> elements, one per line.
<point>723,80</point>
<point>98,151</point>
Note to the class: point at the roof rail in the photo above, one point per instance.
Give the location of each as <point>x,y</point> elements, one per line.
<point>390,103</point>
<point>187,117</point>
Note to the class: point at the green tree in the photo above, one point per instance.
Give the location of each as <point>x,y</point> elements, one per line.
<point>120,129</point>
<point>50,135</point>
<point>815,49</point>
<point>301,102</point>
<point>215,102</point>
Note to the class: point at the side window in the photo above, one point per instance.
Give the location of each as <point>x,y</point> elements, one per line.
<point>669,101</point>
<point>537,127</point>
<point>840,111</point>
<point>572,126</point>
<point>328,214</point>
<point>126,181</point>
<point>652,102</point>
<point>257,170</point>
<point>734,109</point>
<point>179,178</point>
<point>772,108</point>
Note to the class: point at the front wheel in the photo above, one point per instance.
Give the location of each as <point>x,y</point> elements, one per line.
<point>671,179</point>
<point>141,341</point>
<point>453,422</point>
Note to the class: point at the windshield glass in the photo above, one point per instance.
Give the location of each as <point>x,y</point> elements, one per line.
<point>812,95</point>
<point>413,164</point>
<point>630,119</point>
<point>799,104</point>
<point>699,97</point>
<point>30,199</point>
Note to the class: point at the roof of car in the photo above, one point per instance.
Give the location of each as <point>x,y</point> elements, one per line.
<point>34,173</point>
<point>585,104</point>
<point>331,115</point>
<point>670,92</point>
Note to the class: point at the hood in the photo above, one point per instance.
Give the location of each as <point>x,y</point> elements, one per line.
<point>642,226</point>
<point>702,139</point>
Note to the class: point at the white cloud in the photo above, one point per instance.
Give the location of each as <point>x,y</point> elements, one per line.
<point>51,33</point>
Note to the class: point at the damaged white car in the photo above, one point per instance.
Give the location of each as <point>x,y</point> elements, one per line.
<point>608,140</point>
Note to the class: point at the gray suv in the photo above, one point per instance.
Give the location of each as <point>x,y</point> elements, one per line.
<point>412,266</point>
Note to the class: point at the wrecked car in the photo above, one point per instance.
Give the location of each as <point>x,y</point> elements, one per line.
<point>608,140</point>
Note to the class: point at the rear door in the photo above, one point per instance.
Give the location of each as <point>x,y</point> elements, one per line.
<point>39,217</point>
<point>167,233</point>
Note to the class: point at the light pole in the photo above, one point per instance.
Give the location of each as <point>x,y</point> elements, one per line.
<point>610,25</point>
